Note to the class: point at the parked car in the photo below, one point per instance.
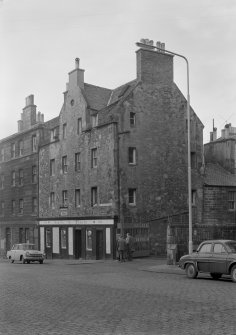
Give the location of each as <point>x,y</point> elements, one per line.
<point>216,257</point>
<point>26,253</point>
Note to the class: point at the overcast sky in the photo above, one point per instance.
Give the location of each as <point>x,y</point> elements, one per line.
<point>41,38</point>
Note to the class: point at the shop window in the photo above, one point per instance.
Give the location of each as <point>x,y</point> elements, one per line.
<point>34,143</point>
<point>63,238</point>
<point>64,164</point>
<point>21,235</point>
<point>27,235</point>
<point>21,148</point>
<point>77,161</point>
<point>21,206</point>
<point>132,196</point>
<point>94,158</point>
<point>132,156</point>
<point>34,174</point>
<point>21,177</point>
<point>48,235</point>
<point>94,196</point>
<point>13,150</point>
<point>79,126</point>
<point>77,198</point>
<point>132,119</point>
<point>232,200</point>
<point>89,239</point>
<point>52,200</point>
<point>52,167</point>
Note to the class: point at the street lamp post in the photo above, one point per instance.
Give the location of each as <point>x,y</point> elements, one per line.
<point>160,48</point>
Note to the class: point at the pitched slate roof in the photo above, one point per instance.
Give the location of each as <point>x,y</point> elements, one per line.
<point>216,175</point>
<point>120,91</point>
<point>96,96</point>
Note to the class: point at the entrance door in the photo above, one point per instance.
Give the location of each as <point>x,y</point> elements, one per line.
<point>78,244</point>
<point>48,242</point>
<point>8,239</point>
<point>99,244</point>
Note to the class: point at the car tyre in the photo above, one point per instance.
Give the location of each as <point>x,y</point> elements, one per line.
<point>216,275</point>
<point>40,262</point>
<point>191,271</point>
<point>233,273</point>
<point>28,262</point>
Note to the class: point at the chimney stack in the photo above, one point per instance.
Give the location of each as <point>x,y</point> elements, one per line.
<point>154,66</point>
<point>76,76</point>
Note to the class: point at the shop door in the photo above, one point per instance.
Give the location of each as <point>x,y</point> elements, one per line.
<point>48,242</point>
<point>99,244</point>
<point>78,244</point>
<point>8,239</point>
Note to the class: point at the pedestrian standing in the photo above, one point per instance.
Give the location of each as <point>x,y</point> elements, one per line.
<point>129,246</point>
<point>121,245</point>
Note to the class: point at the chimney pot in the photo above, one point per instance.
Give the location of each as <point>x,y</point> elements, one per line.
<point>77,63</point>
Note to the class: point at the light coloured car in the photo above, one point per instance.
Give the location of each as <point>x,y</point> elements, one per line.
<point>25,253</point>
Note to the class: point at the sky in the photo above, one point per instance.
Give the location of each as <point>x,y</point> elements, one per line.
<point>40,40</point>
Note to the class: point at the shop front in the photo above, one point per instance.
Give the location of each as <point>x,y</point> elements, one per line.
<point>78,239</point>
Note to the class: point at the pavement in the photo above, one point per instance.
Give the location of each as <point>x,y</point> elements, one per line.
<point>164,268</point>
<point>161,266</point>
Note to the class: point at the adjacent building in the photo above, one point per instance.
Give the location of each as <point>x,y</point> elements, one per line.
<point>19,179</point>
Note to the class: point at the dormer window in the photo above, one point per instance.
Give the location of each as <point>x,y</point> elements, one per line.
<point>94,120</point>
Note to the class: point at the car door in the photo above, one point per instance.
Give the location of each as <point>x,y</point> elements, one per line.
<point>204,257</point>
<point>219,258</point>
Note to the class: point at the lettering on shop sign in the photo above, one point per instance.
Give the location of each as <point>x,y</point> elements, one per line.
<point>77,222</point>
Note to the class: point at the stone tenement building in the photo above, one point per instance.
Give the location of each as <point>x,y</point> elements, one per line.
<point>19,179</point>
<point>114,160</point>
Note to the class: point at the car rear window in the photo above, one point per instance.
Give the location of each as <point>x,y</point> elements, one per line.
<point>232,246</point>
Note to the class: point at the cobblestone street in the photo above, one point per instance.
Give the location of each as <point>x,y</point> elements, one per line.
<point>68,297</point>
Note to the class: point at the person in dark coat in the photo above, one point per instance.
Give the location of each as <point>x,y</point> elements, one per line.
<point>129,246</point>
<point>121,246</point>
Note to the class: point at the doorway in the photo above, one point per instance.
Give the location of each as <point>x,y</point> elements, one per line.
<point>99,244</point>
<point>78,244</point>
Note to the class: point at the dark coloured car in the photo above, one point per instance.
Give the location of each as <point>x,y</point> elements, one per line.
<point>217,257</point>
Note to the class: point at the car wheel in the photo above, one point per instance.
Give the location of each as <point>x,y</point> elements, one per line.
<point>233,273</point>
<point>216,275</point>
<point>191,271</point>
<point>28,262</point>
<point>40,262</point>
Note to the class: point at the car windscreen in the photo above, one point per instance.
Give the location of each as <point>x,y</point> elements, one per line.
<point>29,247</point>
<point>232,246</point>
